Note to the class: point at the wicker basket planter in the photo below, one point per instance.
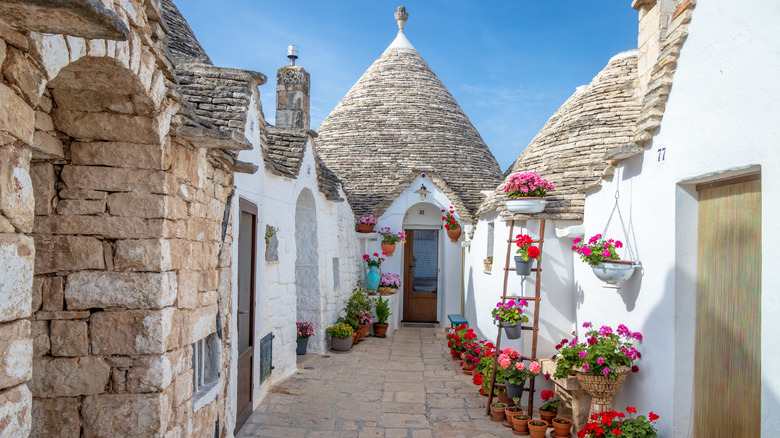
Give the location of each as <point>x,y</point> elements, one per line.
<point>601,388</point>
<point>385,291</point>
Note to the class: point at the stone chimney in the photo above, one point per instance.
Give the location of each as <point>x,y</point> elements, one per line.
<point>292,95</point>
<point>654,20</point>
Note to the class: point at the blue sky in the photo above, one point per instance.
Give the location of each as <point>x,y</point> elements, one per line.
<point>510,64</point>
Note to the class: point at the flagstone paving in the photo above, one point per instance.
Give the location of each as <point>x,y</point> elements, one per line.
<point>403,386</point>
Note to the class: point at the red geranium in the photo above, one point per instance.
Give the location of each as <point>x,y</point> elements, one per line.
<point>450,222</point>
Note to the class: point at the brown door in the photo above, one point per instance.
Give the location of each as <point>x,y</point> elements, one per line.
<point>421,275</point>
<point>247,242</point>
<point>727,361</point>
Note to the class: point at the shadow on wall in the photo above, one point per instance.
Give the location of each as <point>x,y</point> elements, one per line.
<point>629,291</point>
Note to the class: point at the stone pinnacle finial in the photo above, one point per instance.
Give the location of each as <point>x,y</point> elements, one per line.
<point>401,16</point>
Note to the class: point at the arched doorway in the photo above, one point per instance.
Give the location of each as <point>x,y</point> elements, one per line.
<point>422,263</point>
<point>307,283</point>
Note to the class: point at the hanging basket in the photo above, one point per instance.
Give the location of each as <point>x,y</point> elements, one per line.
<point>513,331</point>
<point>614,272</point>
<point>526,205</point>
<point>601,388</point>
<point>523,267</point>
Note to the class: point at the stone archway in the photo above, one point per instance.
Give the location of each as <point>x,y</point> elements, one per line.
<point>307,283</point>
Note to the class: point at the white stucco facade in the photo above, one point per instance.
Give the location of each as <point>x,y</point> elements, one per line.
<point>720,121</point>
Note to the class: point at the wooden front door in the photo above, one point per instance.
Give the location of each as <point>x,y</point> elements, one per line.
<point>421,275</point>
<point>247,260</point>
<point>727,361</point>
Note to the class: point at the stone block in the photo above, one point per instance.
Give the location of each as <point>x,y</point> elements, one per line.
<point>107,126</point>
<point>69,377</point>
<point>128,290</point>
<point>43,121</point>
<point>15,412</point>
<point>16,276</point>
<point>208,280</point>
<point>106,226</point>
<point>43,183</point>
<point>17,201</point>
<point>81,206</point>
<point>55,417</point>
<point>187,297</point>
<point>143,255</point>
<point>131,332</point>
<point>146,205</point>
<point>67,193</point>
<point>67,253</point>
<point>127,415</point>
<point>53,295</point>
<point>37,292</point>
<point>47,145</point>
<point>190,326</point>
<point>149,374</point>
<point>119,154</point>
<point>16,116</point>
<point>16,352</point>
<point>118,380</point>
<point>40,338</point>
<point>203,420</point>
<point>79,99</point>
<point>52,51</point>
<point>69,338</point>
<point>19,70</point>
<point>48,316</point>
<point>182,388</point>
<point>114,179</point>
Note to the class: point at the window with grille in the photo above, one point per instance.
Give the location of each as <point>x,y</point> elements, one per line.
<point>205,370</point>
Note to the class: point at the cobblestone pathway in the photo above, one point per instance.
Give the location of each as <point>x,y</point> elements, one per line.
<point>405,386</point>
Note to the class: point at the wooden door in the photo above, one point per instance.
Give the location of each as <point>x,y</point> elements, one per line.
<point>421,275</point>
<point>247,260</point>
<point>727,369</point>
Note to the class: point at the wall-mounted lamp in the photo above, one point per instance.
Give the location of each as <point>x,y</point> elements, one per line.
<point>422,192</point>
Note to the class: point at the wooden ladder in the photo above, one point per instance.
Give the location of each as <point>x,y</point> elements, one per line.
<point>533,328</point>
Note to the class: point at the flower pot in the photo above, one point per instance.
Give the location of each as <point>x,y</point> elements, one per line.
<point>502,397</point>
<point>601,388</point>
<point>372,278</point>
<point>363,331</point>
<point>497,414</point>
<point>511,412</point>
<point>513,331</point>
<point>454,234</point>
<point>548,416</point>
<point>365,228</point>
<point>538,428</point>
<point>300,348</point>
<point>523,267</point>
<point>615,271</point>
<point>561,426</point>
<point>513,390</point>
<point>526,205</point>
<point>338,344</point>
<point>385,291</point>
<point>520,424</point>
<point>388,248</point>
<point>355,337</point>
<point>380,330</point>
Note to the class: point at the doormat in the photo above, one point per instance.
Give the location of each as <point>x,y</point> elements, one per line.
<point>419,324</point>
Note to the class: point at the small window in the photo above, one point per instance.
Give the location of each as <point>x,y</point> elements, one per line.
<point>205,370</point>
<point>336,276</point>
<point>490,232</point>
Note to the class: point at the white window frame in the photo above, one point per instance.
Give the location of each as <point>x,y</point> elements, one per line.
<point>206,355</point>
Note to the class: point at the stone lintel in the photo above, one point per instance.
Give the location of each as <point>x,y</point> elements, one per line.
<point>81,18</point>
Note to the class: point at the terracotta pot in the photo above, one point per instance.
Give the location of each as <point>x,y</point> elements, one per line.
<point>561,429</point>
<point>380,330</point>
<point>548,415</point>
<point>520,424</point>
<point>355,336</point>
<point>502,397</point>
<point>538,428</point>
<point>454,234</point>
<point>363,331</point>
<point>365,228</point>
<point>511,412</point>
<point>497,413</point>
<point>389,248</point>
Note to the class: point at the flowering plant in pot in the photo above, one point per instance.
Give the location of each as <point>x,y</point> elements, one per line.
<point>451,224</point>
<point>473,352</point>
<point>508,315</point>
<point>549,409</point>
<point>613,424</point>
<point>373,276</point>
<point>516,373</point>
<point>525,192</point>
<point>604,352</point>
<point>341,335</point>
<point>305,330</point>
<point>390,282</point>
<point>366,223</point>
<point>457,339</point>
<point>374,261</point>
<point>603,258</point>
<point>389,239</point>
<point>527,252</point>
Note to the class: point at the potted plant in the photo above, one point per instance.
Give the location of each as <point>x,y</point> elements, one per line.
<point>373,276</point>
<point>508,315</point>
<point>613,424</point>
<point>366,224</point>
<point>497,411</point>
<point>527,253</point>
<point>458,339</point>
<point>451,224</point>
<point>389,283</point>
<point>603,258</point>
<point>472,353</point>
<point>516,372</point>
<point>340,335</point>
<point>513,411</point>
<point>520,424</point>
<point>561,427</point>
<point>538,428</point>
<point>382,314</point>
<point>525,192</point>
<point>600,363</point>
<point>488,262</point>
<point>305,330</point>
<point>549,409</point>
<point>358,310</point>
<point>389,239</point>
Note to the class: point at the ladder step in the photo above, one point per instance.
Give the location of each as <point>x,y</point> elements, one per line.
<point>533,241</point>
<point>527,358</point>
<point>513,269</point>
<point>528,327</point>
<point>510,297</point>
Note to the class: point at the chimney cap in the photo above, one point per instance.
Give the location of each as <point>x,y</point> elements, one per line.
<point>292,53</point>
<point>401,16</point>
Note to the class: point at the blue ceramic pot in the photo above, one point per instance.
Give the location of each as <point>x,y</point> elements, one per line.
<point>372,278</point>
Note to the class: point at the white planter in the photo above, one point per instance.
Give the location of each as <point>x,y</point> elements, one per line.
<point>526,205</point>
<point>615,272</point>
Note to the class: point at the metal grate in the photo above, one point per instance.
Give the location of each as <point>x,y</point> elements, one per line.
<point>266,356</point>
<point>419,325</point>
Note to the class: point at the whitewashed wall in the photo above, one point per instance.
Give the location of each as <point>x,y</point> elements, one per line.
<point>721,120</point>
<point>275,295</point>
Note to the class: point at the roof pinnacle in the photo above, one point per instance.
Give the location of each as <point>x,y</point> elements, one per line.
<point>401,16</point>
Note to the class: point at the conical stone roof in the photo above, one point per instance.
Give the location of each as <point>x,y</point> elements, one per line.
<point>398,117</point>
